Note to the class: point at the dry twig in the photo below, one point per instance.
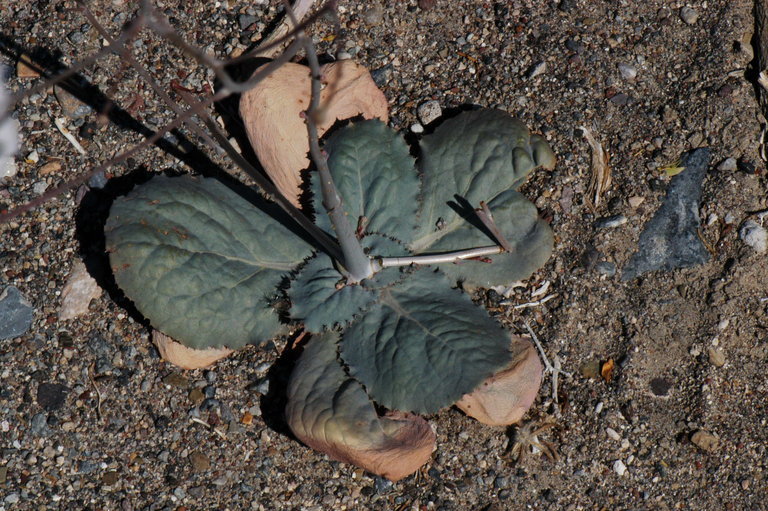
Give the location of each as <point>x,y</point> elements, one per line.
<point>600,178</point>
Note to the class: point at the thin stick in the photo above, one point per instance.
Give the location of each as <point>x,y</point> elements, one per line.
<point>531,304</point>
<point>158,23</point>
<point>355,262</point>
<point>210,428</point>
<point>548,368</point>
<point>450,257</point>
<point>133,28</point>
<point>260,75</point>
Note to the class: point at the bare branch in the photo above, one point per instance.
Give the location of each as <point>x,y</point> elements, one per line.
<point>134,27</point>
<point>355,262</point>
<point>160,24</point>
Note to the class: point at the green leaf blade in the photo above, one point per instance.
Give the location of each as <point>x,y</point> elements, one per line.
<point>424,345</point>
<point>320,299</point>
<point>201,262</point>
<point>375,174</point>
<point>482,155</point>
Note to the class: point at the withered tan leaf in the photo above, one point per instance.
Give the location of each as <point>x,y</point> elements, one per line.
<point>504,398</point>
<point>186,358</point>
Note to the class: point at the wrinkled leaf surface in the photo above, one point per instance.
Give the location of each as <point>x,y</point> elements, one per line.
<point>201,262</point>
<point>482,155</point>
<point>375,175</point>
<point>320,299</point>
<point>423,345</point>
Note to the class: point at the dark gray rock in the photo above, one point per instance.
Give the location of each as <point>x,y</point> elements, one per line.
<point>246,20</point>
<point>670,239</point>
<point>51,396</point>
<point>16,313</point>
<point>382,75</point>
<point>71,106</point>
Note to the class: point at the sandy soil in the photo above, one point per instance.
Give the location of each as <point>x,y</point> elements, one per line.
<point>648,83</point>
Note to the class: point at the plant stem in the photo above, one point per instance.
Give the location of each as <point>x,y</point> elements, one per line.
<point>357,265</point>
<point>450,257</point>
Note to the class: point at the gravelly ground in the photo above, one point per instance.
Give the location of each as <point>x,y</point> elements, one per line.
<point>91,418</point>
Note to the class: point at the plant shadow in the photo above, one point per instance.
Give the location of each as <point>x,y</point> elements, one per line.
<point>274,402</point>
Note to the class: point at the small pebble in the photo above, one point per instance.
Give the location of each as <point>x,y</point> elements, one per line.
<point>716,357</point>
<point>417,128</point>
<point>199,461</point>
<point>429,111</point>
<point>754,235</point>
<point>16,313</point>
<point>606,268</point>
<point>51,396</point>
<point>78,292</point>
<point>613,434</point>
<point>635,201</point>
<point>246,20</point>
<point>660,387</point>
<point>373,15</point>
<point>382,485</point>
<point>728,164</point>
<point>25,68</point>
<point>176,380</point>
<point>689,15</point>
<point>427,4</point>
<point>109,478</point>
<point>705,440</point>
<point>628,71</point>
<point>537,69</point>
<point>40,187</point>
<point>382,75</point>
<point>97,181</point>
<point>71,106</point>
<point>619,467</point>
<point>12,498</point>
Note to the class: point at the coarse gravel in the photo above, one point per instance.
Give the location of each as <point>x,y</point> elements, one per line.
<point>92,418</point>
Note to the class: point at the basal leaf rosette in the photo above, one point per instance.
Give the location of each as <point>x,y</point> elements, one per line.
<point>201,262</point>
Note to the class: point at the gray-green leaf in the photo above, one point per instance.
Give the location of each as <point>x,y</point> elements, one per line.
<point>424,345</point>
<point>201,262</point>
<point>482,155</point>
<point>375,175</point>
<point>320,298</point>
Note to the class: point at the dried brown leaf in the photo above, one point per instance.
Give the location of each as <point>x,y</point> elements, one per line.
<point>504,398</point>
<point>186,358</point>
<point>600,178</point>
